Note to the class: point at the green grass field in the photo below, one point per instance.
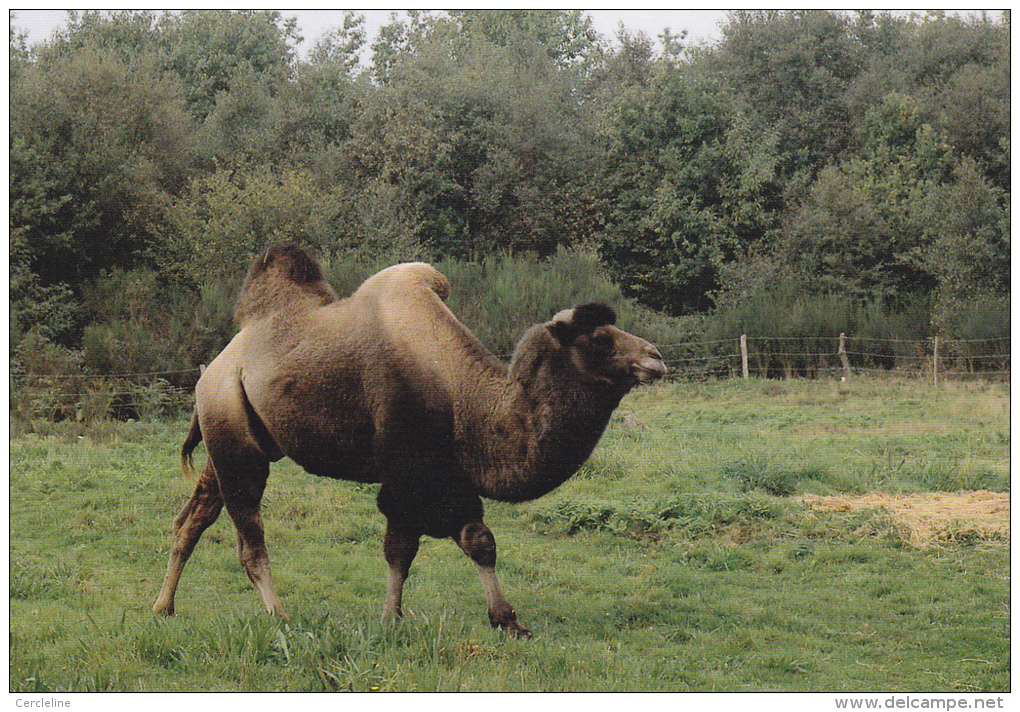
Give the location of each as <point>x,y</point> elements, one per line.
<point>682,557</point>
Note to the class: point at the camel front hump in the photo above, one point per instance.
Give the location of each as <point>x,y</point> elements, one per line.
<point>407,276</point>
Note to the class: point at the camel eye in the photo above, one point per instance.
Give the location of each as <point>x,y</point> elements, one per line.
<point>601,343</point>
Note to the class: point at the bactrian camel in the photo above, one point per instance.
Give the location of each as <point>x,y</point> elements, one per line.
<point>387,386</point>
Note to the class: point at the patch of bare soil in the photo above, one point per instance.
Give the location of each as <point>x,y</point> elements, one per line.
<point>932,517</point>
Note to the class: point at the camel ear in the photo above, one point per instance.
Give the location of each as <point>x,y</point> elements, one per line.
<point>590,316</point>
<point>582,319</point>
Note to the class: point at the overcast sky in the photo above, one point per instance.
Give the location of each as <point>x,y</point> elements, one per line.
<point>700,24</point>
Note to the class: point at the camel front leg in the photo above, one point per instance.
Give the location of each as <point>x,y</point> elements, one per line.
<point>478,543</point>
<point>399,548</point>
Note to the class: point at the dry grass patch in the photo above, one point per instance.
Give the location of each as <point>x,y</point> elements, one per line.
<point>932,517</point>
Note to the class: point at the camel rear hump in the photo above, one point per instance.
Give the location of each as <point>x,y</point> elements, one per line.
<point>407,303</point>
<point>285,276</point>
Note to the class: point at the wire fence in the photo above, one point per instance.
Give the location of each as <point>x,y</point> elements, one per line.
<point>87,397</point>
<point>843,356</point>
<point>153,394</point>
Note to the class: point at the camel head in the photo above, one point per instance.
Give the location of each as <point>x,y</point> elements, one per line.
<point>585,340</point>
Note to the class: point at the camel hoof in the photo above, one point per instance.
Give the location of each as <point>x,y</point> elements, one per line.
<point>391,614</point>
<point>163,609</point>
<point>516,630</point>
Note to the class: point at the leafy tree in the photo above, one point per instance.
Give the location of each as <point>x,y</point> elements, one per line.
<point>97,143</point>
<point>396,39</point>
<point>862,227</point>
<point>793,69</point>
<point>631,64</point>
<point>18,55</point>
<point>940,45</point>
<point>340,47</point>
<point>566,36</point>
<point>958,72</point>
<point>973,108</point>
<point>692,184</point>
<point>477,170</point>
<point>236,132</point>
<point>209,49</point>
<point>967,245</point>
<point>303,122</point>
<point>907,216</point>
<point>311,119</point>
<point>226,218</point>
<point>123,33</point>
<point>48,309</point>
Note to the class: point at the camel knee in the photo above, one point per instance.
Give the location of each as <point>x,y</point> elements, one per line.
<point>203,507</point>
<point>399,549</point>
<point>191,523</point>
<point>479,544</point>
<point>251,553</point>
<point>182,518</point>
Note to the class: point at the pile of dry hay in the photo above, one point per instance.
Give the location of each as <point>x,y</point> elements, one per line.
<point>932,517</point>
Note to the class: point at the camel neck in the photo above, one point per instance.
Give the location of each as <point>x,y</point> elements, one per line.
<point>533,438</point>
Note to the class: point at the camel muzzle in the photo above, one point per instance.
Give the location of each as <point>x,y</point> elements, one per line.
<point>650,367</point>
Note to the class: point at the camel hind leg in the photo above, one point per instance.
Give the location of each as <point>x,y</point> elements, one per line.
<point>254,557</point>
<point>242,479</point>
<point>237,480</point>
<point>200,511</point>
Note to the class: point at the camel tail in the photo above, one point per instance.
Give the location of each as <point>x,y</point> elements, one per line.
<point>190,443</point>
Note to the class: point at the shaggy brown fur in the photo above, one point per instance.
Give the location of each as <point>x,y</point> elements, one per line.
<point>285,278</point>
<point>388,386</point>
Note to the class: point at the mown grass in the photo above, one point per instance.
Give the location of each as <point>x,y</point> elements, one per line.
<point>678,559</point>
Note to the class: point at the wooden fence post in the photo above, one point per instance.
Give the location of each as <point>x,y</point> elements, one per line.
<point>743,354</point>
<point>935,362</point>
<point>843,357</point>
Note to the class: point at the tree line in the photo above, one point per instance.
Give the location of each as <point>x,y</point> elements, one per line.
<point>806,158</point>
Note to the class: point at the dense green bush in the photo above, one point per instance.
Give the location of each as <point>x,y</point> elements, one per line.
<point>504,295</point>
<point>793,328</point>
<point>982,327</point>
